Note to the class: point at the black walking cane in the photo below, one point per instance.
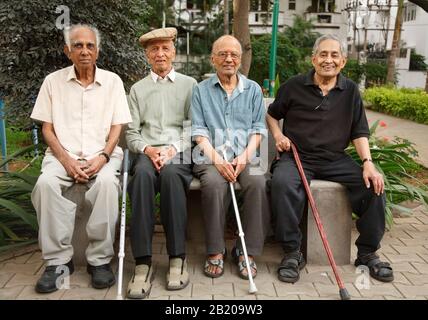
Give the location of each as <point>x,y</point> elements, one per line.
<point>344,295</point>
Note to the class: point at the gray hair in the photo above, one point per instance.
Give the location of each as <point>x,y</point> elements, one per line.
<point>68,30</point>
<point>343,48</point>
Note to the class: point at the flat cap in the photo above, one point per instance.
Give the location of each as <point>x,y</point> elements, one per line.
<point>158,34</point>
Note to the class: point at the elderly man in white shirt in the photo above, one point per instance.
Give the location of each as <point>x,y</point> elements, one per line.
<point>82,109</point>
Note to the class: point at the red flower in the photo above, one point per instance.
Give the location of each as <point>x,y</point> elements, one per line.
<point>382,123</point>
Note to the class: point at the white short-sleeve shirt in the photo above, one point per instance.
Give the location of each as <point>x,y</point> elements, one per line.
<point>82,117</point>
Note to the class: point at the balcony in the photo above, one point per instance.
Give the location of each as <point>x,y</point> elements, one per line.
<point>325,19</point>
<point>264,18</point>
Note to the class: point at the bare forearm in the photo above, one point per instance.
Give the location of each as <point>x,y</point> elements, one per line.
<point>113,138</point>
<point>273,125</point>
<point>253,145</point>
<point>208,149</point>
<point>362,147</point>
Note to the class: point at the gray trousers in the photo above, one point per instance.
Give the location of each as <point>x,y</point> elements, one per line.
<point>216,198</point>
<point>56,214</point>
<point>173,183</point>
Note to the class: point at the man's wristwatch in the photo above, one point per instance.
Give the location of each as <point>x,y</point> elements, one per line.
<point>105,156</point>
<point>367,159</point>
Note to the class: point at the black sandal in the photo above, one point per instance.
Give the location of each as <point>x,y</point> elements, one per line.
<point>290,266</point>
<point>379,270</point>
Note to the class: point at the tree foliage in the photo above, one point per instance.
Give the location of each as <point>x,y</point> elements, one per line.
<point>294,47</point>
<point>417,62</point>
<point>32,45</point>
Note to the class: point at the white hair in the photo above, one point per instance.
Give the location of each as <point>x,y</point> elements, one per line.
<point>329,37</point>
<point>68,30</point>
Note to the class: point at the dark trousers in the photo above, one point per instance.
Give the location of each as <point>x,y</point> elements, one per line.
<point>288,198</point>
<point>173,183</point>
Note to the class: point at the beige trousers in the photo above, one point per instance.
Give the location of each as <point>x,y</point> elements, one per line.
<point>56,214</point>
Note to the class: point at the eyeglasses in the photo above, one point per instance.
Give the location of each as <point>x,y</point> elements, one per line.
<point>223,55</point>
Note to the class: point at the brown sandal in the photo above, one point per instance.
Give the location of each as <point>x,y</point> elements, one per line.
<point>219,263</point>
<point>243,273</point>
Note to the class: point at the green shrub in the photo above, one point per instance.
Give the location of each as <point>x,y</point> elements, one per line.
<point>18,222</point>
<point>375,73</point>
<point>417,62</point>
<point>353,70</point>
<point>404,103</point>
<point>395,160</point>
<point>294,47</point>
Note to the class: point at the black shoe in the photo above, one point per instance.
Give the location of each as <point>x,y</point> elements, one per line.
<point>102,276</point>
<point>48,281</point>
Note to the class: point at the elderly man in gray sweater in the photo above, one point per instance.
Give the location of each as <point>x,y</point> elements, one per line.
<point>159,106</point>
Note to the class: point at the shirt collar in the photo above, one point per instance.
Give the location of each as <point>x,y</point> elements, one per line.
<point>309,80</point>
<point>171,76</point>
<point>72,75</point>
<point>241,81</point>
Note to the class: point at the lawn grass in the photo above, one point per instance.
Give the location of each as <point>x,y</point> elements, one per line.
<point>16,140</point>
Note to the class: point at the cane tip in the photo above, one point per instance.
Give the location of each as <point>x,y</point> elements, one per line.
<point>344,295</point>
<point>253,289</point>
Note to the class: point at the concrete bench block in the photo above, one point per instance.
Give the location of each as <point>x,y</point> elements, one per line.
<point>335,212</point>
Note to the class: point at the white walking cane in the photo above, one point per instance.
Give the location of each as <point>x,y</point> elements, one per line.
<point>253,288</point>
<point>121,254</point>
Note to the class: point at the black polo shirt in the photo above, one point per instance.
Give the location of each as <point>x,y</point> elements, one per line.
<point>320,126</point>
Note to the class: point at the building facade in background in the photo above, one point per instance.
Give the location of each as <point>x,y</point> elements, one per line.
<point>371,29</point>
<point>366,25</point>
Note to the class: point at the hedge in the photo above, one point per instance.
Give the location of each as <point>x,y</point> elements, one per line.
<point>404,103</point>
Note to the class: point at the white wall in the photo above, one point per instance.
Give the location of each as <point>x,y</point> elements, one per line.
<point>415,33</point>
<point>411,79</point>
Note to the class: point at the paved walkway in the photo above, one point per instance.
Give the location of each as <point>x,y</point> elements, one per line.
<point>415,132</point>
<point>405,246</point>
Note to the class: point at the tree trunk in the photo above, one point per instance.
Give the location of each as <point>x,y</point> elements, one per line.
<point>241,30</point>
<point>395,49</point>
<point>226,17</point>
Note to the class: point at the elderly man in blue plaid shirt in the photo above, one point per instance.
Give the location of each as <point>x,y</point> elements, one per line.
<point>228,116</point>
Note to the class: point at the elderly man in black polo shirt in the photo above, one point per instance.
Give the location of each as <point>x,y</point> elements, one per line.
<point>323,112</point>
